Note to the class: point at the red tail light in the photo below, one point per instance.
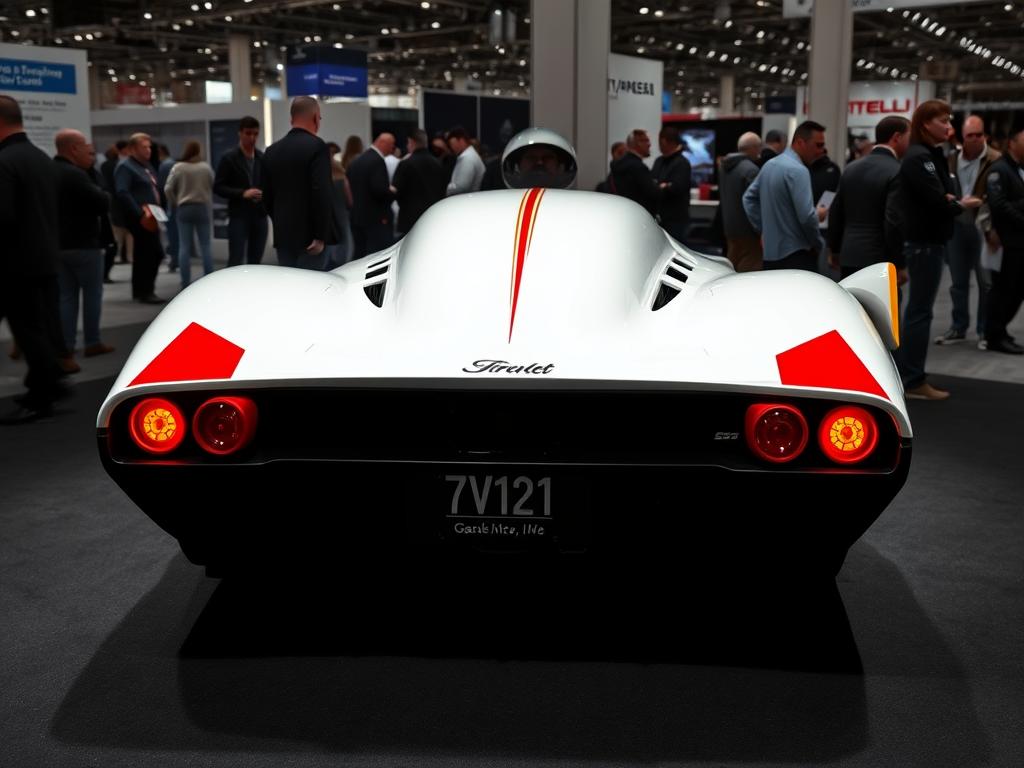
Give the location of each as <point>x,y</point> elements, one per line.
<point>157,425</point>
<point>848,434</point>
<point>224,425</point>
<point>776,433</point>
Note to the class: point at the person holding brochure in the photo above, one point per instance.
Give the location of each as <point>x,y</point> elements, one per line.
<point>135,184</point>
<point>779,204</point>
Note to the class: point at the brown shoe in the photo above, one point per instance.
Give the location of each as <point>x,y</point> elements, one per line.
<point>926,392</point>
<point>98,349</point>
<point>68,364</point>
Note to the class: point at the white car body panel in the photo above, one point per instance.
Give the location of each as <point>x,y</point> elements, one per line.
<point>594,264</point>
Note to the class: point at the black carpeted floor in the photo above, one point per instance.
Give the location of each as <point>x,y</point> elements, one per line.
<point>116,651</point>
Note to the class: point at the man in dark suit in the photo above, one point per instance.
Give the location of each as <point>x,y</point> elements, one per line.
<point>672,170</point>
<point>865,220</point>
<point>372,223</point>
<point>1004,185</point>
<point>419,182</point>
<point>136,184</point>
<point>28,260</point>
<point>774,144</point>
<point>631,178</point>
<point>297,190</point>
<point>238,179</point>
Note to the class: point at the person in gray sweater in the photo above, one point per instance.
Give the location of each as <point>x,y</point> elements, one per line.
<point>738,170</point>
<point>189,191</point>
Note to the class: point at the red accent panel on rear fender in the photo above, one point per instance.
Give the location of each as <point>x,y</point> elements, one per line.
<point>196,353</point>
<point>827,362</point>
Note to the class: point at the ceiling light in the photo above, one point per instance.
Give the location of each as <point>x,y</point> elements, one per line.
<point>176,27</point>
<point>659,13</point>
<point>227,18</point>
<point>425,5</point>
<point>208,6</point>
<point>88,36</point>
<point>644,11</point>
<point>435,25</point>
<point>77,37</point>
<point>280,67</point>
<point>728,23</point>
<point>30,13</point>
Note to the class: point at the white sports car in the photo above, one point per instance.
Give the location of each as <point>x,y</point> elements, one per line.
<point>535,375</point>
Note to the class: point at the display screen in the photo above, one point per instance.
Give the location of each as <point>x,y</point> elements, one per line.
<point>699,149</point>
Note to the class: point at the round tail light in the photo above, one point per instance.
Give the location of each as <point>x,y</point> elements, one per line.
<point>157,425</point>
<point>776,433</point>
<point>848,434</point>
<point>224,425</point>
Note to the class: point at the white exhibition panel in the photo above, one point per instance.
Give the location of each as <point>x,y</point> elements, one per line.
<point>52,87</point>
<point>172,126</point>
<point>634,98</point>
<point>340,119</point>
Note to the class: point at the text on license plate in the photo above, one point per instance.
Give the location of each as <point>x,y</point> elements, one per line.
<point>499,496</point>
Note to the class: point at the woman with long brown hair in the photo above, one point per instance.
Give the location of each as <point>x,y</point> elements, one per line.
<point>930,204</point>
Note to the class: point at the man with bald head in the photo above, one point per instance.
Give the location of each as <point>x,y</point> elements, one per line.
<point>81,204</point>
<point>970,165</point>
<point>372,218</point>
<point>737,171</point>
<point>297,189</point>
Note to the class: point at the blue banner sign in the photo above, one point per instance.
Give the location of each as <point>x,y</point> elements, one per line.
<point>323,70</point>
<point>39,76</point>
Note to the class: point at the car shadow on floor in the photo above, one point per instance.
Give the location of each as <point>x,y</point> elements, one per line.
<point>201,665</point>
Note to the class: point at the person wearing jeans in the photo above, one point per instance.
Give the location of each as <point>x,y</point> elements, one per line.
<point>924,268</point>
<point>193,220</point>
<point>190,189</point>
<point>930,208</point>
<point>971,166</point>
<point>80,264</point>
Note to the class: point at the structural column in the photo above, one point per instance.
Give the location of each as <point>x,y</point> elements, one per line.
<point>240,67</point>
<point>829,72</point>
<point>569,45</point>
<point>726,95</point>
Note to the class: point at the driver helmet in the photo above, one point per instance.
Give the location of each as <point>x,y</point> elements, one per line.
<point>538,157</point>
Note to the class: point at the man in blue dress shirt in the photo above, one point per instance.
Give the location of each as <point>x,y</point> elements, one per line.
<point>780,206</point>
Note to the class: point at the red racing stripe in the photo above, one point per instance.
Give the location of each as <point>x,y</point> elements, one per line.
<point>524,234</point>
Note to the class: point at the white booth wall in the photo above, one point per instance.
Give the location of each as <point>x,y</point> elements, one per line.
<point>340,119</point>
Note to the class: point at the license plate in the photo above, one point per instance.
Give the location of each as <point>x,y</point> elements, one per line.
<point>500,508</point>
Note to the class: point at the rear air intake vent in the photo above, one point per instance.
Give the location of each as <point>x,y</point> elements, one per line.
<point>665,294</point>
<point>673,277</point>
<point>376,285</point>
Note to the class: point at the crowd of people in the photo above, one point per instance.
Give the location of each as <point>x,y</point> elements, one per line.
<point>915,198</point>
